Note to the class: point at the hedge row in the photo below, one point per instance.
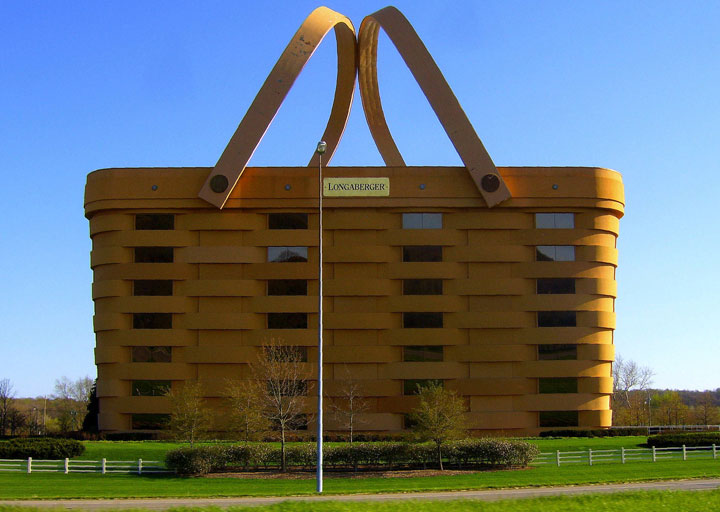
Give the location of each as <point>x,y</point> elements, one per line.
<point>687,439</point>
<point>471,452</point>
<point>40,448</point>
<point>598,432</point>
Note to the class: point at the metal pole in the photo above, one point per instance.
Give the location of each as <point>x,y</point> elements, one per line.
<point>319,477</point>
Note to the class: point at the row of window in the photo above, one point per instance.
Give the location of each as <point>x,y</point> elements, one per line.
<point>288,220</point>
<point>411,320</point>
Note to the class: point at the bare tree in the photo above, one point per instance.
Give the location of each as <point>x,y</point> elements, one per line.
<point>189,417</point>
<point>349,404</point>
<point>439,417</point>
<point>72,399</point>
<point>246,400</point>
<point>706,412</point>
<point>7,397</point>
<point>278,369</point>
<point>630,384</point>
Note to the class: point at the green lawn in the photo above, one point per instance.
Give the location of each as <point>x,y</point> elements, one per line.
<point>656,501</point>
<point>54,485</point>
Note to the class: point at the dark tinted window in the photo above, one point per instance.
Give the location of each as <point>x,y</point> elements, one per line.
<point>555,253</point>
<point>152,320</point>
<point>548,285</point>
<point>412,386</point>
<point>422,320</point>
<point>422,253</point>
<point>558,418</point>
<point>422,220</point>
<point>422,286</point>
<point>554,220</point>
<point>151,354</point>
<point>150,421</point>
<point>287,287</point>
<point>150,387</point>
<point>154,221</point>
<point>558,385</point>
<point>286,353</point>
<point>557,319</point>
<point>557,352</point>
<point>287,387</point>
<point>287,254</point>
<point>287,320</point>
<point>423,353</point>
<point>288,220</point>
<point>152,287</point>
<point>153,254</point>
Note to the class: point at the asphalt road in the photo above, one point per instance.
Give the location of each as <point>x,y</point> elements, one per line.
<point>484,495</point>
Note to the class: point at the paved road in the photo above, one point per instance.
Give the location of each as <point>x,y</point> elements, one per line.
<point>487,495</point>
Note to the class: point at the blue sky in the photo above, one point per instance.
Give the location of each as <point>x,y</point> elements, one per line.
<point>631,86</point>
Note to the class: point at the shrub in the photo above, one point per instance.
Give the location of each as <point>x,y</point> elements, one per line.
<point>687,439</point>
<point>40,448</point>
<point>198,460</point>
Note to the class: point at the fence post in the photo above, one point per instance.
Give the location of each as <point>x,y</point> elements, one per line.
<point>654,456</point>
<point>684,453</point>
<point>67,465</point>
<point>590,456</point>
<point>139,466</point>
<point>29,465</point>
<point>557,455</point>
<point>622,454</point>
<point>714,452</point>
<point>104,466</point>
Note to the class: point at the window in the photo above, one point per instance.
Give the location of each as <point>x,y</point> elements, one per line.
<point>555,253</point>
<point>150,421</point>
<point>152,320</point>
<point>423,353</point>
<point>412,386</point>
<point>287,387</point>
<point>286,354</point>
<point>153,254</point>
<point>557,352</point>
<point>151,354</point>
<point>422,320</point>
<point>555,286</point>
<point>422,253</point>
<point>157,221</point>
<point>153,287</point>
<point>288,220</point>
<point>422,220</point>
<point>557,319</point>
<point>554,220</point>
<point>422,286</point>
<point>287,320</point>
<point>287,287</point>
<point>150,387</point>
<point>287,254</point>
<point>558,418</point>
<point>558,385</point>
<point>409,421</point>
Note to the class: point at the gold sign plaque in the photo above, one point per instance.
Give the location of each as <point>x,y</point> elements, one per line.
<point>356,187</point>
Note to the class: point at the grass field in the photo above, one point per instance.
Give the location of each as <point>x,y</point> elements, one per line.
<point>656,501</point>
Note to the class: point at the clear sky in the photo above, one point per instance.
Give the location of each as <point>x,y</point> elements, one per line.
<point>632,86</point>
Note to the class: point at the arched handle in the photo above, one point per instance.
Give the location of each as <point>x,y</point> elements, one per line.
<point>223,178</point>
<point>438,93</point>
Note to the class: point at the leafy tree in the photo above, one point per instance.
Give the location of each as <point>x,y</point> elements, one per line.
<point>439,416</point>
<point>246,400</point>
<point>189,417</point>
<point>90,423</point>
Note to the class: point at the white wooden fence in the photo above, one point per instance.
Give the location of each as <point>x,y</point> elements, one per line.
<point>66,466</point>
<point>625,455</point>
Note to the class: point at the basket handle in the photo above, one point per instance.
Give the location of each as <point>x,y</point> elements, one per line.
<point>438,93</point>
<point>227,171</point>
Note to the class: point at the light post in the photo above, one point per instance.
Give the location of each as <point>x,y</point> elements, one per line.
<point>321,147</point>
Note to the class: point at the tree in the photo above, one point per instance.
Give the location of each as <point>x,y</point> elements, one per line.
<point>279,367</point>
<point>706,412</point>
<point>246,400</point>
<point>90,423</point>
<point>349,404</point>
<point>72,399</point>
<point>189,417</point>
<point>7,397</point>
<point>439,417</point>
<point>630,385</point>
